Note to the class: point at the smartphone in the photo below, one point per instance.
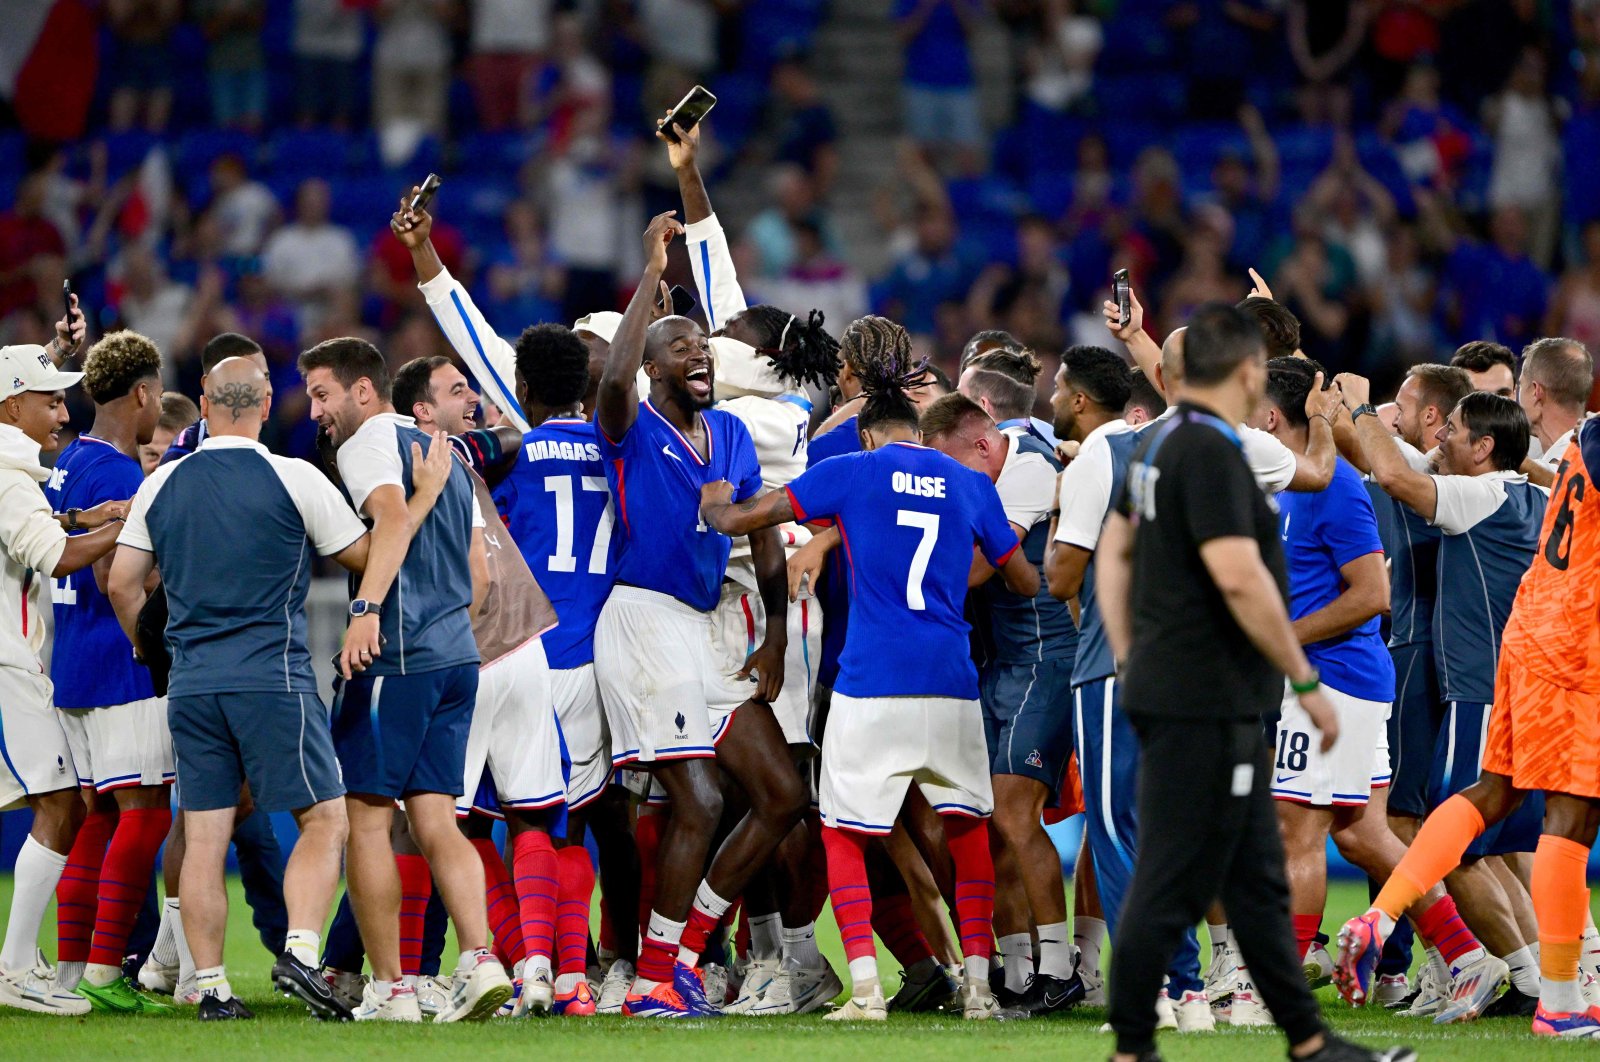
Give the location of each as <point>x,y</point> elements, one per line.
<point>689,112</point>
<point>683,303</point>
<point>1122,293</point>
<point>66,298</point>
<point>424,194</point>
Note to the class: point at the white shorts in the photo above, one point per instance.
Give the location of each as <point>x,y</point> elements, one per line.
<point>652,657</point>
<point>583,729</point>
<point>876,747</point>
<point>514,734</point>
<point>1346,775</point>
<point>121,745</point>
<point>737,627</point>
<point>35,756</point>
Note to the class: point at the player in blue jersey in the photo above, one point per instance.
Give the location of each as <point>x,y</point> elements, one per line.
<point>909,519</point>
<point>113,718</point>
<point>653,639</point>
<point>411,675</point>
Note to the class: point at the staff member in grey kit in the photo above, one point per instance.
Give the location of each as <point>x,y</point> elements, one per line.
<point>1192,587</point>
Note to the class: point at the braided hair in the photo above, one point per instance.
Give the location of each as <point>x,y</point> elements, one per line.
<point>879,352</point>
<point>800,352</point>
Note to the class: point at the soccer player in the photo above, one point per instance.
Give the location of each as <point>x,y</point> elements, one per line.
<point>1491,366</point>
<point>113,718</point>
<point>1027,650</point>
<point>1488,515</point>
<point>514,744</point>
<point>218,348</point>
<point>38,760</point>
<point>909,518</point>
<point>178,412</point>
<point>1556,377</point>
<point>653,641</point>
<point>242,694</point>
<point>410,663</point>
<point>1540,739</point>
<point>1144,401</point>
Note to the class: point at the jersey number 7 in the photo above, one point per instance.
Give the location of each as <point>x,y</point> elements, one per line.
<point>563,559</point>
<point>929,524</point>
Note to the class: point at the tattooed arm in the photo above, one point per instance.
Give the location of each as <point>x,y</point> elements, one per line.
<point>765,510</point>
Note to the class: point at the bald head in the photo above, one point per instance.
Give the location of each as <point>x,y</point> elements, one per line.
<point>1172,363</point>
<point>237,398</point>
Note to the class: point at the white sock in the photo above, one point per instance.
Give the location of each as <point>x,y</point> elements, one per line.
<point>766,937</point>
<point>710,906</point>
<point>863,976</point>
<point>164,952</point>
<point>1561,997</point>
<point>100,975</point>
<point>181,939</point>
<point>1089,936</point>
<point>1590,959</point>
<point>303,944</point>
<point>1016,949</point>
<point>1441,969</point>
<point>800,947</point>
<point>567,982</point>
<point>385,989</point>
<point>1055,950</point>
<point>538,964</point>
<point>1219,936</point>
<point>1524,971</point>
<point>213,981</point>
<point>38,871</point>
<point>470,959</point>
<point>665,932</point>
<point>69,975</point>
<point>976,967</point>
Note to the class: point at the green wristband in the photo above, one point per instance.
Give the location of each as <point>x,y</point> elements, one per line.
<point>1309,685</point>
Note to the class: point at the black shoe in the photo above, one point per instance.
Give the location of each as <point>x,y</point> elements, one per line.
<point>1512,1004</point>
<point>231,1009</point>
<point>1045,995</point>
<point>1004,997</point>
<point>1148,1056</point>
<point>1336,1050</point>
<point>298,981</point>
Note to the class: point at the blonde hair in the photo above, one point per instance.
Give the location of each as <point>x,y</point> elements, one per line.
<point>115,364</point>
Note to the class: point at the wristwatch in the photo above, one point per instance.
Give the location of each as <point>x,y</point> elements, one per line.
<point>72,519</point>
<point>1310,685</point>
<point>1365,409</point>
<point>359,607</point>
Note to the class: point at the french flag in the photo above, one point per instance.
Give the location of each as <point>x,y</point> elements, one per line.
<point>48,60</point>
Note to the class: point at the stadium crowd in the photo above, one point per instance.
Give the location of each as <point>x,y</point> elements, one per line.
<point>699,587</point>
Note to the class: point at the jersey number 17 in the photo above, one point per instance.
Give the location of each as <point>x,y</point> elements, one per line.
<point>563,559</point>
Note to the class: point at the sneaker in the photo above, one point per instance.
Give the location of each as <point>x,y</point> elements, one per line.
<point>298,981</point>
<point>433,994</point>
<point>399,1005</point>
<point>230,1009</point>
<point>477,992</point>
<point>1094,987</point>
<point>578,1003</point>
<point>1473,987</point>
<point>1194,1013</point>
<point>1045,995</point>
<point>977,1000</point>
<point>662,1001</point>
<point>119,997</point>
<point>1392,990</point>
<point>347,987</point>
<point>35,990</point>
<point>1583,1025</point>
<point>1513,1003</point>
<point>187,994</point>
<point>757,977</point>
<point>536,997</point>
<point>1360,948</point>
<point>799,990</point>
<point>862,1008</point>
<point>1317,965</point>
<point>1431,996</point>
<point>158,977</point>
<point>614,989</point>
<point>1166,1016</point>
<point>1246,1010</point>
<point>1336,1049</point>
<point>692,987</point>
<point>716,980</point>
<point>924,988</point>
<point>1219,977</point>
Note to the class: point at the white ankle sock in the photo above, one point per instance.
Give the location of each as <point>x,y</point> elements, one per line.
<point>766,938</point>
<point>1055,950</point>
<point>303,944</point>
<point>1016,949</point>
<point>1561,997</point>
<point>1524,971</point>
<point>213,981</point>
<point>800,947</point>
<point>37,872</point>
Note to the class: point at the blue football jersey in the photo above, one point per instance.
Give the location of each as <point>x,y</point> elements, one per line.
<point>656,476</point>
<point>833,589</point>
<point>1322,531</point>
<point>557,505</point>
<point>92,663</point>
<point>909,517</point>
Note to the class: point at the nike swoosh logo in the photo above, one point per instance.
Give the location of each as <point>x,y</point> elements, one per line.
<point>1056,1001</point>
<point>1282,778</point>
<point>668,451</point>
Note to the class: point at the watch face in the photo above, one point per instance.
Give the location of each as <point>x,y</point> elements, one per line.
<point>358,608</point>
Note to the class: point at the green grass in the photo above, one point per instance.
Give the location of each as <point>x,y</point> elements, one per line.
<point>282,1031</point>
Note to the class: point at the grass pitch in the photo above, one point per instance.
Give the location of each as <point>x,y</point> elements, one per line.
<point>283,1031</point>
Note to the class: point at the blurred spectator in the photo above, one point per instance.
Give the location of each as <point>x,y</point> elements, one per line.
<point>235,61</point>
<point>244,209</point>
<point>1059,61</point>
<point>509,38</point>
<point>1429,136</point>
<point>1324,37</point>
<point>264,316</point>
<point>1203,277</point>
<point>310,258</point>
<point>582,84</point>
<point>1222,42</point>
<point>806,133</point>
<point>328,38</point>
<point>681,33</point>
<point>584,189</point>
<point>818,280</point>
<point>1404,32</point>
<point>1527,153</point>
<point>1575,310</point>
<point>938,270</point>
<point>941,98</point>
<point>26,238</point>
<point>410,73</point>
<point>1249,196</point>
<point>1317,283</point>
<point>149,302</point>
<point>1402,300</point>
<point>1355,211</point>
<point>524,283</point>
<point>1493,290</point>
<point>773,232</point>
<point>1025,298</point>
<point>393,279</point>
<point>141,63</point>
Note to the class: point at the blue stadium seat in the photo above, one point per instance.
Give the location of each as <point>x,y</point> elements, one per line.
<point>317,152</point>
<point>363,203</point>
<point>1305,146</point>
<point>1153,96</point>
<point>1198,145</point>
<point>497,152</point>
<point>776,28</point>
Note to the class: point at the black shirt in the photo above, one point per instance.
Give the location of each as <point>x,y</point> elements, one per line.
<point>1187,484</point>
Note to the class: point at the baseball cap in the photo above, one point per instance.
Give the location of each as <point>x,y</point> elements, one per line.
<point>27,367</point>
<point>602,323</point>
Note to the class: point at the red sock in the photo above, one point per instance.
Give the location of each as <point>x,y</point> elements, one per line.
<point>80,882</point>
<point>416,889</point>
<point>647,836</point>
<point>969,848</point>
<point>704,918</point>
<point>1306,928</point>
<point>125,879</point>
<point>741,939</point>
<point>657,953</point>
<point>533,860</point>
<point>505,923</point>
<point>847,882</point>
<point>895,922</point>
<point>575,890</point>
<point>1442,924</point>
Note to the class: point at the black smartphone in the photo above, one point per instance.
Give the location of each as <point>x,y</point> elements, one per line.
<point>689,112</point>
<point>1122,293</point>
<point>424,194</point>
<point>66,298</point>
<point>683,303</point>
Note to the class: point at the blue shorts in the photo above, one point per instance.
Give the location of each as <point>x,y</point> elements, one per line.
<point>1027,720</point>
<point>279,742</point>
<point>403,734</point>
<point>1413,728</point>
<point>943,115</point>
<point>1457,762</point>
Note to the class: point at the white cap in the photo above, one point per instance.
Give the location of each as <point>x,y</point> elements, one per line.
<point>27,367</point>
<point>602,323</point>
